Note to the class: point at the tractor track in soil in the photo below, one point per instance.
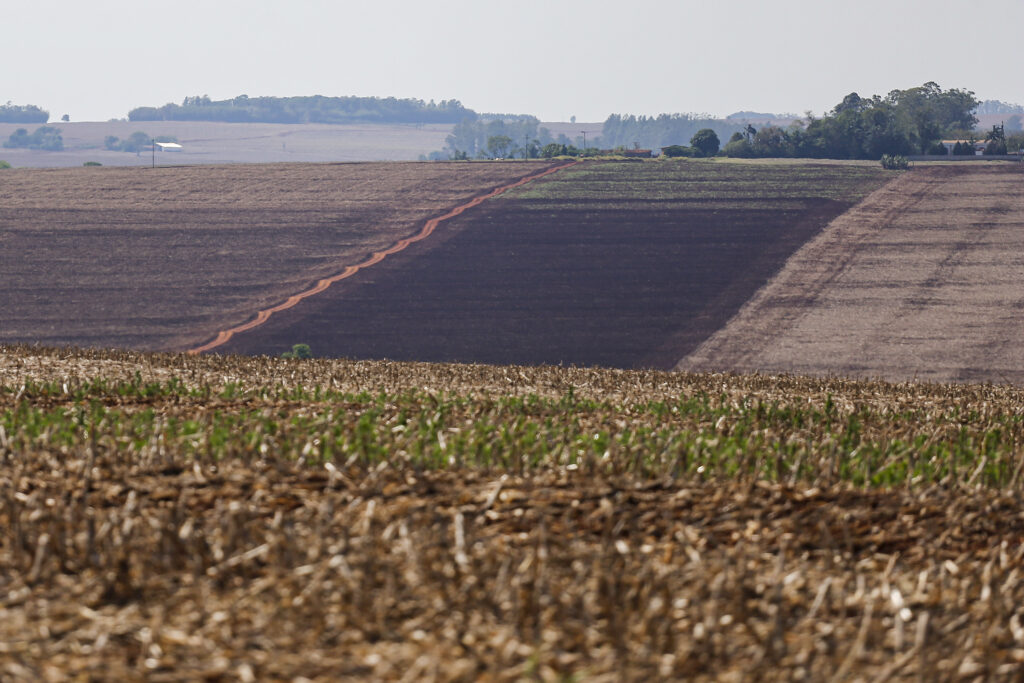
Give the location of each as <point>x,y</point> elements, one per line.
<point>262,316</point>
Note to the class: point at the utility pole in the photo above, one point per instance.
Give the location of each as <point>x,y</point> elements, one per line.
<point>153,143</point>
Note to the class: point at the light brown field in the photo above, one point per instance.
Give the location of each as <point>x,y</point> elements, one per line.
<point>921,280</point>
<point>165,258</point>
<point>207,142</point>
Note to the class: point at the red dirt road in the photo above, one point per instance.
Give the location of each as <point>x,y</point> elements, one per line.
<point>923,280</point>
<point>264,315</point>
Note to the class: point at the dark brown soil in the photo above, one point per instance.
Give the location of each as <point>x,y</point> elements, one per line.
<point>636,286</point>
<point>164,258</point>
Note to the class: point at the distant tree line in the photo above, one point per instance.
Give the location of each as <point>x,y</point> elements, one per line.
<point>665,130</point>
<point>903,122</point>
<point>912,121</point>
<point>313,109</point>
<point>504,136</point>
<point>45,138</point>
<point>998,107</point>
<point>24,113</point>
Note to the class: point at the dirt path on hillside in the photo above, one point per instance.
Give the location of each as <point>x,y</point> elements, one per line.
<point>428,228</point>
<point>922,280</point>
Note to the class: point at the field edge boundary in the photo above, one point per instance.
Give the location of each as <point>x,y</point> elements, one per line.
<point>428,228</point>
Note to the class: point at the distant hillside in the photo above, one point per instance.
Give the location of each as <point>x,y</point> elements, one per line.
<point>652,132</point>
<point>998,107</point>
<point>751,116</point>
<point>312,109</point>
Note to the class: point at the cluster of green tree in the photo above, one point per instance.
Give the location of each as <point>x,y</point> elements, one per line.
<point>45,137</point>
<point>963,148</point>
<point>498,138</point>
<point>704,143</point>
<point>24,113</point>
<point>903,122</point>
<point>556,149</point>
<point>312,109</point>
<point>136,142</point>
<point>665,130</point>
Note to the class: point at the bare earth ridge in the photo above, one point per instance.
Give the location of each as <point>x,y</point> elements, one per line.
<point>922,280</point>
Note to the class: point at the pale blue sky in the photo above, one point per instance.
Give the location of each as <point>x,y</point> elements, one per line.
<point>553,58</point>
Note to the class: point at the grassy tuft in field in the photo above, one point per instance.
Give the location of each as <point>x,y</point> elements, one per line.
<point>179,517</point>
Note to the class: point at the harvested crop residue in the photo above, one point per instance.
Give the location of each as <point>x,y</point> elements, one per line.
<point>172,517</point>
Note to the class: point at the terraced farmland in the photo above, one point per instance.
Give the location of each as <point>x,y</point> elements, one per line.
<point>623,264</point>
<point>170,517</point>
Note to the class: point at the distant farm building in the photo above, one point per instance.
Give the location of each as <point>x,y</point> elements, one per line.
<point>636,153</point>
<point>168,147</point>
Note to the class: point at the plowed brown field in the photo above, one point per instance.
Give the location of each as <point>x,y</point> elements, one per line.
<point>624,264</point>
<point>165,258</point>
<point>921,280</point>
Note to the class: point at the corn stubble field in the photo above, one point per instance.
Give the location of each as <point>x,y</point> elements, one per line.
<point>174,517</point>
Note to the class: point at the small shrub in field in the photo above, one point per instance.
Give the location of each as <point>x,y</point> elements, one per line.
<point>964,149</point>
<point>679,151</point>
<point>298,351</point>
<point>4,164</point>
<point>895,162</point>
<point>92,163</point>
<point>995,147</point>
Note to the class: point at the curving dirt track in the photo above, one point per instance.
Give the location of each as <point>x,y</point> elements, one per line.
<point>428,228</point>
<point>920,281</point>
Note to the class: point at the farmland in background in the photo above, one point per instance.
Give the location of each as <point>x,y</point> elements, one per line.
<point>185,517</point>
<point>157,259</point>
<point>622,264</point>
<point>223,143</point>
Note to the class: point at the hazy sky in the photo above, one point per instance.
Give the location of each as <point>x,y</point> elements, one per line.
<point>96,59</point>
